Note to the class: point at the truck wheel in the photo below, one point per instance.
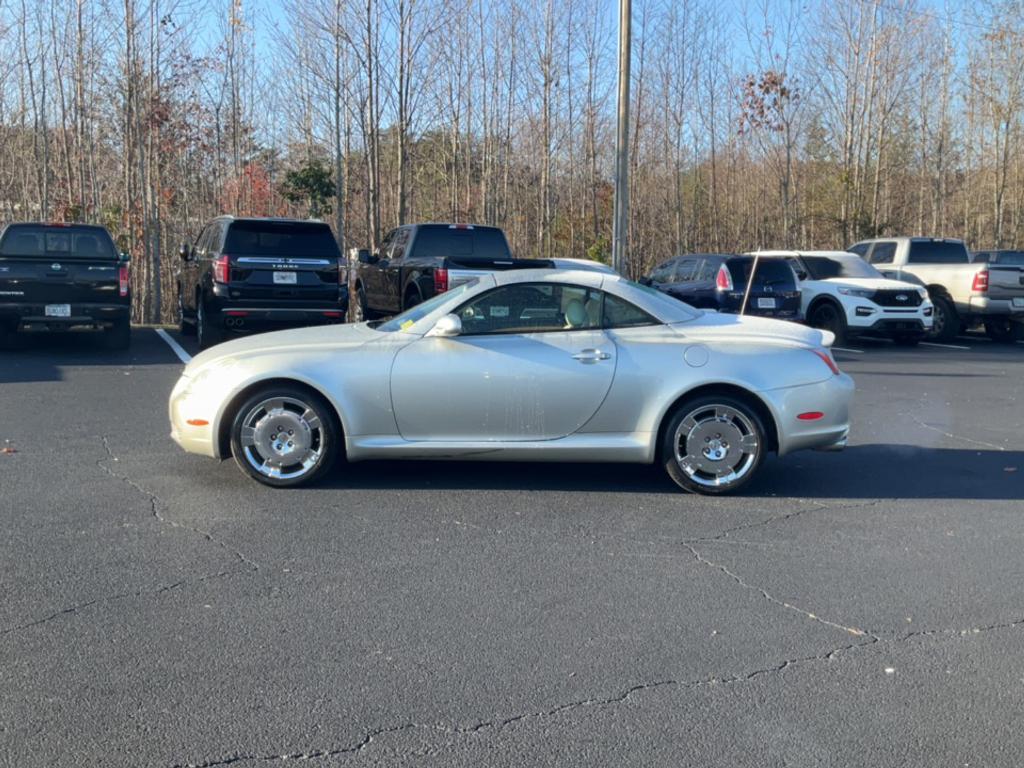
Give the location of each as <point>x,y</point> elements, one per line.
<point>412,298</point>
<point>207,330</point>
<point>945,321</point>
<point>1004,330</point>
<point>184,327</point>
<point>119,335</point>
<point>826,316</point>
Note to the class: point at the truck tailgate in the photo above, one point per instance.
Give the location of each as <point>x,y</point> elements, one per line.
<point>58,282</point>
<point>1006,282</point>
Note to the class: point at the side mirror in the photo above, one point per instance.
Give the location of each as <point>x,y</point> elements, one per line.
<point>363,256</point>
<point>184,252</point>
<point>446,327</point>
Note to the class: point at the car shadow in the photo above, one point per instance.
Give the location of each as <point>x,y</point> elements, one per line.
<point>860,472</point>
<point>35,356</point>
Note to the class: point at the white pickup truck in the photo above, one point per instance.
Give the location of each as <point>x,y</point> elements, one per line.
<point>963,293</point>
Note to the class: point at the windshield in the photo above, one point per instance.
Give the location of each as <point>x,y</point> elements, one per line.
<point>825,267</point>
<point>410,317</point>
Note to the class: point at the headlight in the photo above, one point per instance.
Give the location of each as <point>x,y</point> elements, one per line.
<point>860,293</point>
<point>923,293</point>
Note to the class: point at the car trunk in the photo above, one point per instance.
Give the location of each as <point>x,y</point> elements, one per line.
<point>773,290</point>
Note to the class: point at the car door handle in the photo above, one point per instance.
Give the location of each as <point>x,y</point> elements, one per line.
<point>591,356</point>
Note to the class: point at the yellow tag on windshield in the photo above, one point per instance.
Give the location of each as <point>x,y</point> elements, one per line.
<point>408,324</point>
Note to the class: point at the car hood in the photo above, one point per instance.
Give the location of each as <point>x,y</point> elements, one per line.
<point>716,327</point>
<point>869,283</point>
<point>334,336</point>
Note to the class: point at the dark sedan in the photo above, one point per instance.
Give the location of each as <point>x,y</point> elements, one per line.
<point>718,281</point>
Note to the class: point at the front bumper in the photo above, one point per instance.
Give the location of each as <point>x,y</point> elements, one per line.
<point>186,405</point>
<point>831,398</point>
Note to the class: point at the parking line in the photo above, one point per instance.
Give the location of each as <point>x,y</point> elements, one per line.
<point>944,346</point>
<point>844,349</point>
<point>175,346</point>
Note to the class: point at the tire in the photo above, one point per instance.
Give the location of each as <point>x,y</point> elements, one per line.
<point>185,328</point>
<point>119,335</point>
<point>412,298</point>
<point>207,331</point>
<point>730,444</point>
<point>1004,330</point>
<point>263,451</point>
<point>904,340</point>
<point>361,313</point>
<point>827,316</point>
<point>945,321</point>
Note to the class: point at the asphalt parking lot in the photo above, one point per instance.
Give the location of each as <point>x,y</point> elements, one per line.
<point>854,609</point>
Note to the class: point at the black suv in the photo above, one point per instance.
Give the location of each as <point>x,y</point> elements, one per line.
<point>59,276</point>
<point>718,281</point>
<point>259,274</point>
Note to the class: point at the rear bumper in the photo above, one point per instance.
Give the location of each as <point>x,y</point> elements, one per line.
<point>34,314</point>
<point>984,305</point>
<point>831,398</point>
<point>785,308</point>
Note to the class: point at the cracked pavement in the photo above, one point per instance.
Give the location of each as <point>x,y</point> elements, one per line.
<point>852,609</point>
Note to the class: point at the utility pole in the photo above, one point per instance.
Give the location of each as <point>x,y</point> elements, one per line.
<point>620,226</point>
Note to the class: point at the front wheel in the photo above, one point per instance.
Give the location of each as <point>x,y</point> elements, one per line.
<point>284,436</point>
<point>945,321</point>
<point>713,445</point>
<point>826,316</point>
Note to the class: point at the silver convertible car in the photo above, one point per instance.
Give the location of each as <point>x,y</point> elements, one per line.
<point>524,365</point>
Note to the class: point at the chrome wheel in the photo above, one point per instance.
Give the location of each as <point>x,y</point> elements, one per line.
<point>282,438</point>
<point>716,445</point>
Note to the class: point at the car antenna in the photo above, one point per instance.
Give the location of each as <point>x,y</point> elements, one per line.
<point>750,282</point>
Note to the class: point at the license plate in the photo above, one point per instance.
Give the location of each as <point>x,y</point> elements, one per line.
<point>58,310</point>
<point>1018,302</point>
<point>766,303</point>
<point>285,278</point>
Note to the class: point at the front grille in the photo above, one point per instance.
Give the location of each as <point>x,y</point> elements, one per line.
<point>888,298</point>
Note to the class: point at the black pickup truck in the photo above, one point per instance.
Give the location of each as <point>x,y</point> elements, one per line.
<point>59,276</point>
<point>417,261</point>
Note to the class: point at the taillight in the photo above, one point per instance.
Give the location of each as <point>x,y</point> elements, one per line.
<point>440,280</point>
<point>723,280</point>
<point>980,282</point>
<point>826,358</point>
<point>122,280</point>
<point>222,270</point>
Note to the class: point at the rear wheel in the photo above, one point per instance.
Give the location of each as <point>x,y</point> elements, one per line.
<point>828,317</point>
<point>945,322</point>
<point>412,298</point>
<point>207,330</point>
<point>119,335</point>
<point>713,445</point>
<point>284,436</point>
<point>1004,330</point>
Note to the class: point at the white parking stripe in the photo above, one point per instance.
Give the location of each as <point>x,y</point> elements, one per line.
<point>944,346</point>
<point>844,349</point>
<point>175,346</point>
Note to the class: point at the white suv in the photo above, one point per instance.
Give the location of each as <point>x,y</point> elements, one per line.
<point>842,293</point>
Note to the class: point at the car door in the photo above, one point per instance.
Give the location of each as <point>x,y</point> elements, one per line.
<point>191,272</point>
<point>532,363</point>
<point>375,275</point>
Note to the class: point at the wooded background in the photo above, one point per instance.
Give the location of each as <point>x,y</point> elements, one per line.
<point>755,124</point>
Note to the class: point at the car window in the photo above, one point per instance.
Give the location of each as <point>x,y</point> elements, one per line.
<point>401,240</point>
<point>883,253</point>
<point>707,272</point>
<point>619,313</point>
<point>64,242</point>
<point>410,317</point>
<point>663,272</point>
<point>686,271</point>
<point>937,252</point>
<point>860,249</point>
<point>460,242</point>
<point>826,267</point>
<point>203,240</point>
<point>981,257</point>
<point>532,308</point>
<point>1008,258</point>
<point>277,238</point>
<point>772,273</point>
